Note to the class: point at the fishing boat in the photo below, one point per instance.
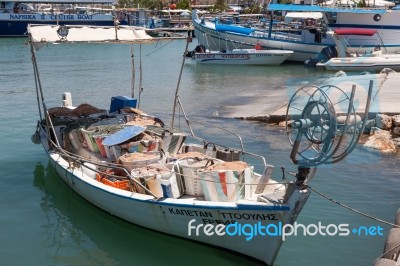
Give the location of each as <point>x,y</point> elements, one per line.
<point>306,39</point>
<point>337,16</point>
<point>169,179</point>
<point>348,59</point>
<point>239,56</point>
<point>217,37</point>
<point>15,15</point>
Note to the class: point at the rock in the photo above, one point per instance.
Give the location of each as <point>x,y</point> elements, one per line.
<point>340,73</point>
<point>396,142</point>
<point>283,123</point>
<point>396,131</point>
<point>374,130</point>
<point>387,70</point>
<point>369,124</point>
<point>381,141</point>
<point>383,121</point>
<point>341,119</point>
<point>396,120</point>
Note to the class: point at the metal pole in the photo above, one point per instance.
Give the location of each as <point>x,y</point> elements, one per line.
<point>133,71</point>
<point>140,74</point>
<point>188,40</point>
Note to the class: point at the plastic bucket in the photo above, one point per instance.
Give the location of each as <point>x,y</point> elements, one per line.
<point>226,185</point>
<point>99,141</point>
<point>160,180</point>
<point>188,169</point>
<point>91,143</point>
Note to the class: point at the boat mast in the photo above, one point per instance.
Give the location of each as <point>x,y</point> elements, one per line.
<point>176,99</point>
<point>38,85</point>
<point>133,71</point>
<point>140,74</point>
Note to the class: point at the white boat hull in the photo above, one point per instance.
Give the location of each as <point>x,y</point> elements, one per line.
<point>306,45</point>
<point>303,46</point>
<point>243,57</point>
<point>172,216</point>
<point>16,24</point>
<point>387,27</point>
<point>362,63</point>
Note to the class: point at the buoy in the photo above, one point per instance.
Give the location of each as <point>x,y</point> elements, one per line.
<point>35,138</point>
<point>384,262</point>
<point>397,220</point>
<point>392,241</point>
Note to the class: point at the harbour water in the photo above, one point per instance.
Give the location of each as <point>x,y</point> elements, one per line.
<point>43,222</point>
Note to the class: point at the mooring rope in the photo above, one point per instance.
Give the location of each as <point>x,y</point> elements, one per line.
<point>352,209</point>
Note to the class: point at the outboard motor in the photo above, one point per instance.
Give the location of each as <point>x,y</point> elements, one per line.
<point>323,56</point>
<point>329,52</point>
<point>199,49</point>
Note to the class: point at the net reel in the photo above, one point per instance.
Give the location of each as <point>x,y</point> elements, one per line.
<point>323,126</point>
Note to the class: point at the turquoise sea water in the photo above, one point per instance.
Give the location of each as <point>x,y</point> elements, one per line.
<point>43,222</point>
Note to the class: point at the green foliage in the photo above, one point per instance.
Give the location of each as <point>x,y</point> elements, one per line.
<point>150,4</point>
<point>254,9</point>
<point>183,4</point>
<point>284,1</point>
<point>220,6</point>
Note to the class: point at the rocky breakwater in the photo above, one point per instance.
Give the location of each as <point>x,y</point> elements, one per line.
<point>384,133</point>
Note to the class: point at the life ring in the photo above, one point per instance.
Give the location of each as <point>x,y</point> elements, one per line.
<point>377,17</point>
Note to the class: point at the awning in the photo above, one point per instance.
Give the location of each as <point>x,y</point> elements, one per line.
<point>313,15</point>
<point>76,33</point>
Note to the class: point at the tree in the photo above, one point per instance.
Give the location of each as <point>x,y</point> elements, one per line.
<point>150,4</point>
<point>220,5</point>
<point>183,4</point>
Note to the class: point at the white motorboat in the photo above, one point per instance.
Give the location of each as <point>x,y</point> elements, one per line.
<point>239,56</point>
<point>216,37</point>
<point>348,59</point>
<point>307,38</point>
<point>168,179</point>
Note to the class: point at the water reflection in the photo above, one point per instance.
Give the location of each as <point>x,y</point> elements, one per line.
<point>78,233</point>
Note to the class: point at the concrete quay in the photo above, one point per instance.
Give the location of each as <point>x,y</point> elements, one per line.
<point>385,96</point>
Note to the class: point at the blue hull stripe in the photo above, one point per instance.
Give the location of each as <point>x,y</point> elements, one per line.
<point>19,28</point>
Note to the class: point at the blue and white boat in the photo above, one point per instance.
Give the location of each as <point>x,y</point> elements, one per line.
<point>239,56</point>
<point>15,15</point>
<point>306,41</point>
<point>383,20</point>
<point>169,179</point>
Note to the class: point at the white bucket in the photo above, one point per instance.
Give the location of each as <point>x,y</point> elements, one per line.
<point>99,142</point>
<point>188,168</point>
<point>226,185</point>
<point>91,143</point>
<point>162,183</point>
